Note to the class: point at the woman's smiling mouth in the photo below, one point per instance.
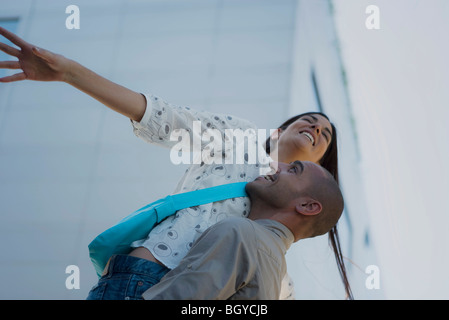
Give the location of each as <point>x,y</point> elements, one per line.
<point>309,136</point>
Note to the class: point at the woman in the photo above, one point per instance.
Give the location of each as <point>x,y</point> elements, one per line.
<point>306,137</point>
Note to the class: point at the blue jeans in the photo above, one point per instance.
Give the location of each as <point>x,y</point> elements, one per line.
<point>127,278</point>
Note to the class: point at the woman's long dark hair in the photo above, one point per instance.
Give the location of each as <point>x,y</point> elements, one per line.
<point>329,161</point>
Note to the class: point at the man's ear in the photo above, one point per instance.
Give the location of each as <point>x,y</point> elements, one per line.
<point>308,206</point>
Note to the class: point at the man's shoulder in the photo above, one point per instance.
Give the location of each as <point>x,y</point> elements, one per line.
<point>236,226</point>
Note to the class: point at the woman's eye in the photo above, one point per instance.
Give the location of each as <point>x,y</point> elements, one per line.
<point>293,169</point>
<point>307,119</point>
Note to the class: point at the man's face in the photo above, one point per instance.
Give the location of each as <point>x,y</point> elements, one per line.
<point>281,189</point>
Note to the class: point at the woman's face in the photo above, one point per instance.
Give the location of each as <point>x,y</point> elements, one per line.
<point>306,139</point>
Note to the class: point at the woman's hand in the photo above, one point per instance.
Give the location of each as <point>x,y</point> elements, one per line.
<point>43,65</point>
<point>36,63</point>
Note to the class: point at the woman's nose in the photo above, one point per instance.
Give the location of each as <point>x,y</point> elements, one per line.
<point>316,128</point>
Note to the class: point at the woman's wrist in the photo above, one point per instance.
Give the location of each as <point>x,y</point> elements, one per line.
<point>116,97</point>
<point>71,72</point>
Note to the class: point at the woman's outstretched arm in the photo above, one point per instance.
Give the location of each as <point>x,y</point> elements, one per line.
<point>42,65</point>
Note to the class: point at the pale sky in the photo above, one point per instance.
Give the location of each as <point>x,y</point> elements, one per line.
<point>398,83</point>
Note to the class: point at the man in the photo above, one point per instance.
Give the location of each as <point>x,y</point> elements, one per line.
<point>243,258</point>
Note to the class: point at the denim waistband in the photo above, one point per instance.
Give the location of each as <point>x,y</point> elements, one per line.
<point>128,264</point>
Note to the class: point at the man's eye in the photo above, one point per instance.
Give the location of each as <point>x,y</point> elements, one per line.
<point>293,169</point>
<point>307,119</point>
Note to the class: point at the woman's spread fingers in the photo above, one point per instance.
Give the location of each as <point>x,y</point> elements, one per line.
<point>9,65</point>
<point>12,37</point>
<point>9,50</point>
<point>14,77</point>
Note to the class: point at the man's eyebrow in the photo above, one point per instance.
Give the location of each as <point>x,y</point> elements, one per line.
<point>299,164</point>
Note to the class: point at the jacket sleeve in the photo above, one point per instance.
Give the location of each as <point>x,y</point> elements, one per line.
<point>221,261</point>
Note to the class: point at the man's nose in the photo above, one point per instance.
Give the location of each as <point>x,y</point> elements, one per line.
<point>278,167</point>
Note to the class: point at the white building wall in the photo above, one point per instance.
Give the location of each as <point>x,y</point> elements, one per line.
<point>398,82</point>
<point>318,83</point>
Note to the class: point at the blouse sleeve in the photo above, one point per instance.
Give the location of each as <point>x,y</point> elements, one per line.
<point>163,123</point>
